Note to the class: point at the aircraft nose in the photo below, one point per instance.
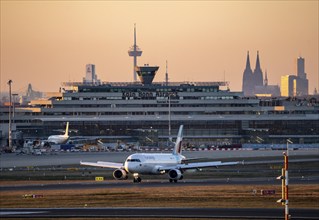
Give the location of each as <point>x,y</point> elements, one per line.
<point>129,167</point>
<point>126,166</point>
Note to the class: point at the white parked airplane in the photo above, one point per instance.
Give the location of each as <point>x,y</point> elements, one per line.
<point>173,164</point>
<point>60,139</point>
<point>111,146</point>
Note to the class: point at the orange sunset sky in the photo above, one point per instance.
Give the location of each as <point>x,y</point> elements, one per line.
<point>48,42</point>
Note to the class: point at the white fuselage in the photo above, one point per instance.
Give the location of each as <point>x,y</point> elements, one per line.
<point>58,139</point>
<point>143,163</point>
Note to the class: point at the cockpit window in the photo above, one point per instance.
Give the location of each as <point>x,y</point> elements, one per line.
<point>133,160</point>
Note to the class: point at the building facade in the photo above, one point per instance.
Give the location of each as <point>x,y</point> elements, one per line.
<point>289,86</point>
<point>90,75</point>
<point>142,112</point>
<point>302,81</point>
<point>295,85</point>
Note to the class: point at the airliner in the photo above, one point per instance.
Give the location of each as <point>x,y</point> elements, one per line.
<point>60,139</point>
<point>111,146</point>
<point>174,164</point>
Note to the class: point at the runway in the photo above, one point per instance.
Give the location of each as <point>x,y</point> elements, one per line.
<point>74,158</point>
<point>124,212</point>
<point>128,212</point>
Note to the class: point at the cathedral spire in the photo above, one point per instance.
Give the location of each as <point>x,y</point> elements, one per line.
<point>257,62</point>
<point>248,62</point>
<point>247,87</point>
<point>258,74</point>
<point>266,79</point>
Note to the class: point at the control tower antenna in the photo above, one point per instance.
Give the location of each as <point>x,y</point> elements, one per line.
<point>10,116</point>
<point>166,75</point>
<point>134,52</point>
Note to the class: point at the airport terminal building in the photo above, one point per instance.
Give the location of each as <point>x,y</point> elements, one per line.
<point>144,112</point>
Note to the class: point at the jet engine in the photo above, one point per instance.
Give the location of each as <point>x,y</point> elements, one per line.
<point>175,174</point>
<point>120,174</point>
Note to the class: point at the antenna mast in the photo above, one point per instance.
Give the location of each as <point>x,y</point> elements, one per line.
<point>166,75</point>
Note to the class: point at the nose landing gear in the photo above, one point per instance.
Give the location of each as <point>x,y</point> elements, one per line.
<point>136,178</point>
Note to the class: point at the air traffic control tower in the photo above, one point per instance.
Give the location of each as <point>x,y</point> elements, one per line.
<point>134,52</point>
<point>146,73</point>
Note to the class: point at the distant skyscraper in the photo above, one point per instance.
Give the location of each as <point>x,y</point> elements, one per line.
<point>301,68</point>
<point>302,81</point>
<point>288,85</point>
<point>90,72</point>
<point>302,86</point>
<point>295,85</point>
<point>90,76</point>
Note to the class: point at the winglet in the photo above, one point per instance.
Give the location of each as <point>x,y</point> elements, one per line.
<point>178,144</point>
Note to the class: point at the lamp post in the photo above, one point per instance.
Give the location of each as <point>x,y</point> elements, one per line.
<point>10,128</point>
<point>13,105</point>
<point>169,118</point>
<point>290,142</point>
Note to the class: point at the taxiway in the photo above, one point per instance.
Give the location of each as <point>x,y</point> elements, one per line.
<point>242,213</point>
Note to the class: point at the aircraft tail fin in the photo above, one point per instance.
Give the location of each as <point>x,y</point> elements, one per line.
<point>178,143</point>
<point>67,129</point>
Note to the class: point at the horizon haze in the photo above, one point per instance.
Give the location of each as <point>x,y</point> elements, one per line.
<point>46,43</point>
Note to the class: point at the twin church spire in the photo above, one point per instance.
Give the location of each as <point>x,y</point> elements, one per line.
<point>250,78</point>
<point>257,68</point>
<point>248,62</point>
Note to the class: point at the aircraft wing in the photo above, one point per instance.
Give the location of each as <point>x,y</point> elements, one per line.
<point>104,164</point>
<point>206,164</point>
<point>198,165</point>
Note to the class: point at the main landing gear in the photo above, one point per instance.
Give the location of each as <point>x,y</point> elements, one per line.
<point>136,178</point>
<point>171,180</point>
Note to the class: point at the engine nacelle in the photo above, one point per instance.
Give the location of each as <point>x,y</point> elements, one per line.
<point>120,174</point>
<point>175,174</point>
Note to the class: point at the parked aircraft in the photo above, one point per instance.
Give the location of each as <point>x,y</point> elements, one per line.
<point>111,146</point>
<point>60,139</point>
<point>174,164</point>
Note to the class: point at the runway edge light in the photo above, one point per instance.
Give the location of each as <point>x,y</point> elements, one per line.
<point>280,201</point>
